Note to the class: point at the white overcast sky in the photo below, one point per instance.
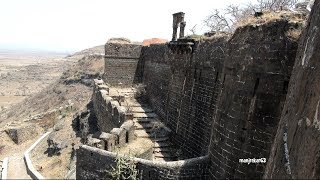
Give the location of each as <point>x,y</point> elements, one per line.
<point>72,25</point>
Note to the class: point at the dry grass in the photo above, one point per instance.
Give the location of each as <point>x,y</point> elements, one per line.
<point>137,147</point>
<point>268,17</point>
<point>46,104</point>
<point>293,33</point>
<point>217,35</point>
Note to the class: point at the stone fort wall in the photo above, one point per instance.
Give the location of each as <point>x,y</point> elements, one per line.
<point>254,86</point>
<point>94,163</point>
<point>295,153</point>
<point>224,99</point>
<point>109,113</point>
<point>122,65</point>
<point>228,94</point>
<point>183,89</point>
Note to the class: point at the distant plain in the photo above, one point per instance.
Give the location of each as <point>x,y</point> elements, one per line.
<point>24,73</point>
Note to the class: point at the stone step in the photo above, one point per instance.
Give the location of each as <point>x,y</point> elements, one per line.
<point>143,126</point>
<point>144,120</point>
<point>163,149</point>
<point>160,139</point>
<point>144,115</point>
<point>135,104</point>
<point>141,110</point>
<point>164,159</point>
<point>162,144</point>
<point>145,133</point>
<point>163,155</point>
<point>126,92</point>
<point>141,133</point>
<point>147,124</point>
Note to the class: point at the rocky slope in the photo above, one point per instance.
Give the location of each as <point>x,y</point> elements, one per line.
<point>53,108</point>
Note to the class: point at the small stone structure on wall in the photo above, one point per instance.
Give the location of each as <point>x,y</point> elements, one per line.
<point>178,21</point>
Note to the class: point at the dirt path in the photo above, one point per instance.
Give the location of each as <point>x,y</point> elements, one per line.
<point>17,168</point>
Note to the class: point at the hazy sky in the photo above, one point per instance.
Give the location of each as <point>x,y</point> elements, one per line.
<point>72,25</point>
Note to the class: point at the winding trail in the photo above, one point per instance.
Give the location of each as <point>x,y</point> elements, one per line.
<point>17,167</point>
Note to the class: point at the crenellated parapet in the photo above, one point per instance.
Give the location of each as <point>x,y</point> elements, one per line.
<point>110,114</point>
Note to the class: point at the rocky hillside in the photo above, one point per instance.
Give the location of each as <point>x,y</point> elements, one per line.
<point>52,109</point>
<point>73,87</point>
<point>90,51</point>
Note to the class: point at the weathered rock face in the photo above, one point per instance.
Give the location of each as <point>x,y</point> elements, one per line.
<point>55,144</point>
<point>254,85</point>
<point>85,122</point>
<point>296,149</point>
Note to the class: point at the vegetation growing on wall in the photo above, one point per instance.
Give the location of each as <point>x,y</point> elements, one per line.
<point>228,19</point>
<point>125,168</point>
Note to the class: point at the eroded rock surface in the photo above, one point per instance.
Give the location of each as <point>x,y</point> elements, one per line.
<point>295,152</point>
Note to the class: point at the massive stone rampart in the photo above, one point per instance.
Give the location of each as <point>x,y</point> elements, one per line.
<point>224,97</point>
<point>296,149</point>
<point>233,89</point>
<point>254,85</point>
<point>183,90</point>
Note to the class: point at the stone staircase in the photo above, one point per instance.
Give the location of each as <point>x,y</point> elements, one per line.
<point>148,125</point>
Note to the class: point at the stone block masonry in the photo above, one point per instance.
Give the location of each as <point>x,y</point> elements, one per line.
<point>107,110</point>
<point>183,90</point>
<point>221,97</point>
<point>228,94</point>
<point>295,153</point>
<point>122,64</point>
<point>94,162</point>
<point>254,85</point>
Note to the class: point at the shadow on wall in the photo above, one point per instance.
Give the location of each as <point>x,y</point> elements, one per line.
<point>138,74</point>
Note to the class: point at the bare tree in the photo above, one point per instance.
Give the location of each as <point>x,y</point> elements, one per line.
<point>218,22</point>
<point>193,29</point>
<point>274,5</point>
<point>225,19</point>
